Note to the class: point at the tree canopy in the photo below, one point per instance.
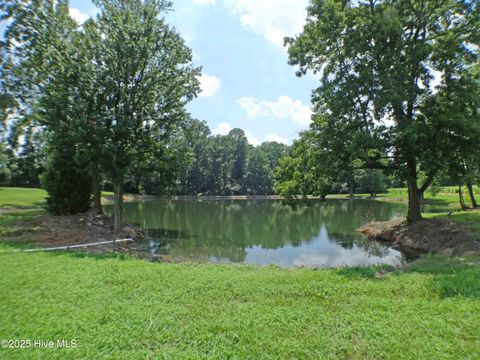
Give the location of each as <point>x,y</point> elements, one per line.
<point>381,63</point>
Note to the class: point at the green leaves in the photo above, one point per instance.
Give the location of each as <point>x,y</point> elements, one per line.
<point>377,61</point>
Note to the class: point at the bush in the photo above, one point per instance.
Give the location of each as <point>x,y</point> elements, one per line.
<point>67,182</point>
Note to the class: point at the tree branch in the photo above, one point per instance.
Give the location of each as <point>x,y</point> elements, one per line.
<point>426,184</point>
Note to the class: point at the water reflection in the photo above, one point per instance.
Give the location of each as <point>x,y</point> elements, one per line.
<point>263,231</point>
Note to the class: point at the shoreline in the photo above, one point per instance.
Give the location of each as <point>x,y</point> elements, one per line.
<point>436,236</point>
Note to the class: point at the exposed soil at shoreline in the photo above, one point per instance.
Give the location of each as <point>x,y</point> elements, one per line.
<point>52,231</point>
<point>442,236</point>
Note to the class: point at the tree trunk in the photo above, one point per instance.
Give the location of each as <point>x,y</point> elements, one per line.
<point>97,192</point>
<point>414,194</point>
<point>471,193</point>
<point>351,189</point>
<point>461,198</point>
<point>118,205</point>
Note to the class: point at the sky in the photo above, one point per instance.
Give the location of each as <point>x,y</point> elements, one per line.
<point>246,81</point>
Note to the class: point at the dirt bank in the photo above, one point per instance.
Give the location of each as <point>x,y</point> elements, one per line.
<point>51,231</point>
<point>430,235</point>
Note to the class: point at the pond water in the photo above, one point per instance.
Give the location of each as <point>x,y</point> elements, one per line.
<point>311,233</point>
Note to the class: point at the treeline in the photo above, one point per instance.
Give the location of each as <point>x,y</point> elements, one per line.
<point>194,162</point>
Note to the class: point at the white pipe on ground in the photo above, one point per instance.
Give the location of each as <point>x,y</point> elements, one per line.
<point>76,246</point>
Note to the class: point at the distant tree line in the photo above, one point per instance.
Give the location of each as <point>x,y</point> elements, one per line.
<point>194,162</point>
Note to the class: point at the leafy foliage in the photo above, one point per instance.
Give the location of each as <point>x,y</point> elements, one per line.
<point>377,61</point>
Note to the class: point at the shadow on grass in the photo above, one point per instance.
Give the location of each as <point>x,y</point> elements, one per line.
<point>96,256</point>
<point>365,272</point>
<point>451,276</point>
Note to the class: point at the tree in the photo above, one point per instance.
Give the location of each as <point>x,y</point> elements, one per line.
<point>377,60</point>
<point>240,145</point>
<point>146,81</point>
<point>258,178</point>
<point>39,73</point>
<point>274,152</point>
<point>307,170</point>
<point>371,181</point>
<point>195,172</point>
<point>221,164</point>
<point>6,103</point>
<point>61,112</point>
<point>31,158</point>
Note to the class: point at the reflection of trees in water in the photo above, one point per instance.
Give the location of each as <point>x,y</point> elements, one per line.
<point>225,229</point>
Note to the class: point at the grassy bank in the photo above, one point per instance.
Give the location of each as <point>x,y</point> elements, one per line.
<point>132,309</point>
<point>444,199</point>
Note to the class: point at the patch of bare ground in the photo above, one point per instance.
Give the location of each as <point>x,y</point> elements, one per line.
<point>65,230</point>
<point>442,236</point>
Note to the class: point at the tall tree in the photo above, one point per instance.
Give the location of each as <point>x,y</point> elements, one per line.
<point>274,152</point>
<point>147,80</point>
<point>377,60</point>
<point>308,170</point>
<point>258,178</point>
<point>38,72</point>
<point>240,144</point>
<point>6,104</point>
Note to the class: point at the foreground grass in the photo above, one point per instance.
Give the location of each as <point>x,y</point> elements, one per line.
<point>132,309</point>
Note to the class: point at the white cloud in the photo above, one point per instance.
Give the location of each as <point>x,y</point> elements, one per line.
<point>274,19</point>
<point>252,139</point>
<point>78,16</point>
<point>222,129</point>
<point>202,2</point>
<point>276,138</point>
<point>209,84</point>
<point>94,11</point>
<point>251,106</point>
<point>284,108</point>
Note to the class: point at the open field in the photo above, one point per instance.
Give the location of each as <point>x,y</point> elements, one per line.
<point>123,308</point>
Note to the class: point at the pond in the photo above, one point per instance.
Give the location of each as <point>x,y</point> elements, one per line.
<point>311,233</point>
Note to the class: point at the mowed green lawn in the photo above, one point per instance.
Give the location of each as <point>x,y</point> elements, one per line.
<point>123,308</point>
<point>130,309</point>
<point>11,197</point>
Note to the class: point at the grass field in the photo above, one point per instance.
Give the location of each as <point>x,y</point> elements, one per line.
<point>130,309</point>
<point>117,307</point>
<point>21,197</point>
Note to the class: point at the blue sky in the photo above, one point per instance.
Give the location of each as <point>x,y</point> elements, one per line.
<point>246,81</point>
